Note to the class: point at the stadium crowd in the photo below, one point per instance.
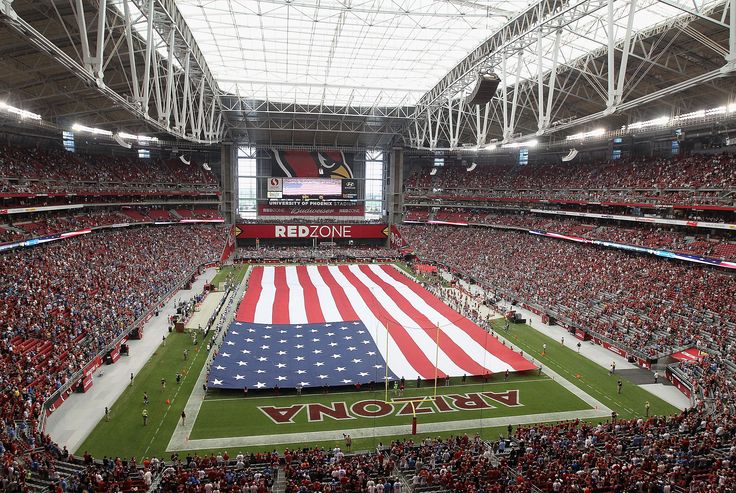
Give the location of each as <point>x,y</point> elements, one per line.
<point>647,235</point>
<point>61,303</point>
<point>272,253</point>
<point>48,223</point>
<point>30,170</point>
<point>651,305</point>
<point>694,179</point>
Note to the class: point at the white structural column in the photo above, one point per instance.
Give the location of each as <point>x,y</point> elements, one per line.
<point>731,57</point>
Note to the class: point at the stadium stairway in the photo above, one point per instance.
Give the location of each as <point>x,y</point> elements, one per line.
<point>279,486</point>
<point>64,470</point>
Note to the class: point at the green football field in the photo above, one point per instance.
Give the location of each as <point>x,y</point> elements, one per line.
<point>269,417</point>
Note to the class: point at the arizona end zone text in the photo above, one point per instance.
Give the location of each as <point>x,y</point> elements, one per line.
<point>372,408</point>
<point>314,231</point>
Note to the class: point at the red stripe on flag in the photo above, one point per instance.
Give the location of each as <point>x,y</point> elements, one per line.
<point>280,312</point>
<point>408,346</point>
<point>491,344</point>
<point>448,346</point>
<point>247,308</point>
<point>311,300</point>
<point>347,312</point>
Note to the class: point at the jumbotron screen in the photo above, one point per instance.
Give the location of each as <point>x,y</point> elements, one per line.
<point>312,187</point>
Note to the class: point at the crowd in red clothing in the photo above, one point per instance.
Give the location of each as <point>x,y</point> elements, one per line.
<point>63,302</point>
<point>649,304</point>
<point>693,179</point>
<point>648,235</point>
<point>28,170</point>
<point>43,224</point>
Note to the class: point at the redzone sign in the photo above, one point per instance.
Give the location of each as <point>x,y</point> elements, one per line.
<point>321,231</point>
<point>341,411</point>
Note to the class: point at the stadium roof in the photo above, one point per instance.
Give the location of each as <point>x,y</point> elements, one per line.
<point>372,72</point>
<point>339,52</point>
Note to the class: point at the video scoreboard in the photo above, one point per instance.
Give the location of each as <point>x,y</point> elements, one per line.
<point>311,191</point>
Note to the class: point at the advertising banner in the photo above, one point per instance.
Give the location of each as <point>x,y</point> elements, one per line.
<point>320,231</point>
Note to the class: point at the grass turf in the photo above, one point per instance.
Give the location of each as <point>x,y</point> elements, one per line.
<point>238,272</point>
<point>126,436</point>
<point>227,417</point>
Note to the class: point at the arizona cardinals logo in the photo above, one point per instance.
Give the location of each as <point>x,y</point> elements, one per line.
<point>327,164</point>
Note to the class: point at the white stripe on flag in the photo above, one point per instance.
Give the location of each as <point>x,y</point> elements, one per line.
<point>297,310</point>
<point>397,362</point>
<point>326,300</point>
<point>264,307</point>
<point>425,343</point>
<point>472,348</point>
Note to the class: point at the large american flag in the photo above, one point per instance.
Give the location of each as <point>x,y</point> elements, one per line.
<point>405,326</point>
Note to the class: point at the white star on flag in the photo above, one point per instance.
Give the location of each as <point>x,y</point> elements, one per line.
<point>363,374</point>
<point>335,356</point>
<point>245,351</point>
<point>260,385</point>
<point>242,363</point>
<point>280,365</point>
<point>262,358</point>
<point>356,323</point>
<point>322,377</point>
<point>303,384</point>
<point>265,347</point>
<point>281,353</point>
<point>340,368</point>
<point>268,326</point>
<point>239,377</point>
<point>266,336</point>
<point>230,343</point>
<point>251,330</point>
<point>317,351</point>
<point>328,325</point>
<point>299,346</point>
<point>282,331</point>
<point>315,340</point>
<point>238,323</point>
<point>260,371</point>
<point>347,380</point>
<point>313,331</point>
<point>352,348</point>
<point>299,358</point>
<point>301,372</point>
<point>366,342</point>
<point>220,367</point>
<point>319,363</point>
<point>333,344</point>
<point>235,333</point>
<point>356,360</point>
<point>361,332</point>
<point>249,340</point>
<point>297,326</point>
<point>347,338</point>
<point>217,382</point>
<point>299,335</point>
<point>330,334</point>
<point>280,378</point>
<point>377,366</point>
<point>225,355</point>
<point>282,341</point>
<point>343,328</point>
<point>371,353</point>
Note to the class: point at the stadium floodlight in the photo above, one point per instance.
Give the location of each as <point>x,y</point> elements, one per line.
<point>183,159</point>
<point>528,143</point>
<point>471,167</point>
<point>139,138</point>
<point>732,108</point>
<point>97,131</point>
<point>585,135</point>
<point>23,114</point>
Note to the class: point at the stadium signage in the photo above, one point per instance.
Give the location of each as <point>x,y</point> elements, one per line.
<point>404,406</point>
<point>323,231</point>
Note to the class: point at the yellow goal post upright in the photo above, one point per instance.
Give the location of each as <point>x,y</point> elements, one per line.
<point>419,400</point>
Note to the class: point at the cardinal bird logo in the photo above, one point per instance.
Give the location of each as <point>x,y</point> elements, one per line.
<point>318,164</point>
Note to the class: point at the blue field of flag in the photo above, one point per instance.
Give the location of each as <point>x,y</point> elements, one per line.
<point>263,356</point>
